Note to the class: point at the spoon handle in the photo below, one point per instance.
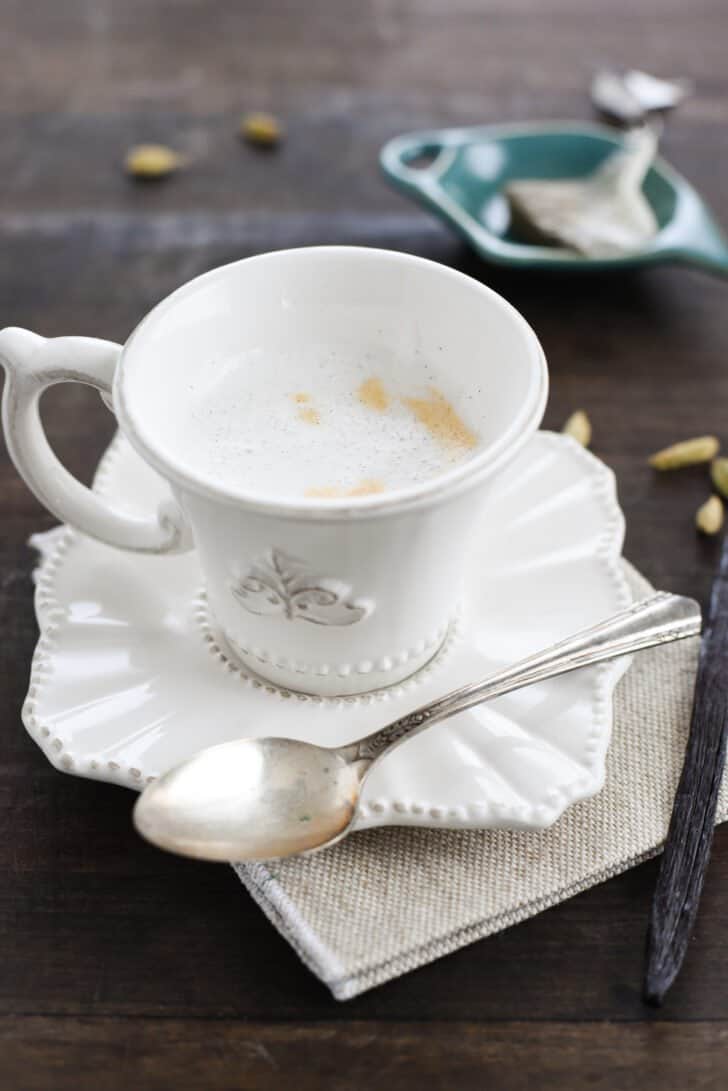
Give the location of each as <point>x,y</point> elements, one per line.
<point>659,619</point>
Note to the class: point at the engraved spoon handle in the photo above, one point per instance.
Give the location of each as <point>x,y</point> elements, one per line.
<point>656,620</point>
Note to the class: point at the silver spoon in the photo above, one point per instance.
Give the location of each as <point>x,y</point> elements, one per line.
<point>631,98</point>
<point>257,799</point>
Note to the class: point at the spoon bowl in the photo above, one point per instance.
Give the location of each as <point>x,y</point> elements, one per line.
<point>251,799</point>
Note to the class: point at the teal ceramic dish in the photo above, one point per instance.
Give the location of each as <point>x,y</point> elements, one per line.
<point>466,169</point>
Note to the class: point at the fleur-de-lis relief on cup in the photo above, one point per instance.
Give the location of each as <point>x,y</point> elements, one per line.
<point>284,586</point>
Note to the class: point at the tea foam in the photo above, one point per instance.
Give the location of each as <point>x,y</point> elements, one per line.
<point>329,423</point>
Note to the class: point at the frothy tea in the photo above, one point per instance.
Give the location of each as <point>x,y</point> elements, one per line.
<point>331,426</point>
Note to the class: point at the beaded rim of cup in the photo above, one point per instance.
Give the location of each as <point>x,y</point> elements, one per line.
<point>222,650</point>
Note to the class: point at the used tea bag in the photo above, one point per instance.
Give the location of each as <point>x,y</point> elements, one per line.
<point>605,215</point>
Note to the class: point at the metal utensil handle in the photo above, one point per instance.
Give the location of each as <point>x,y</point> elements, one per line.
<point>656,620</point>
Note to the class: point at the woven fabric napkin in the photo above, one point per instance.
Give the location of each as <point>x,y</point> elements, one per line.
<point>385,901</point>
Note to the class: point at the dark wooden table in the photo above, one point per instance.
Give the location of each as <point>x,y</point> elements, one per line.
<point>123,967</point>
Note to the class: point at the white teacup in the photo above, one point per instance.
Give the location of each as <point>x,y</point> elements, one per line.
<point>323,595</point>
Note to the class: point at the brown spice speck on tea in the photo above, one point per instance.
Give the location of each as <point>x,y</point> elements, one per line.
<point>441,420</point>
<point>367,487</point>
<point>373,395</point>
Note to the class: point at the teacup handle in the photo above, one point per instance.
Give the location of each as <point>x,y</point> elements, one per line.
<point>34,363</point>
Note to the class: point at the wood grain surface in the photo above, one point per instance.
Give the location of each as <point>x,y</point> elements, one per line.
<point>123,967</point>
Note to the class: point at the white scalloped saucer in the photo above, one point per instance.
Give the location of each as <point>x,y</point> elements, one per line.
<point>128,677</point>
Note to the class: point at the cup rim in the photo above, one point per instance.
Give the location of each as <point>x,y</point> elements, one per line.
<point>451,482</point>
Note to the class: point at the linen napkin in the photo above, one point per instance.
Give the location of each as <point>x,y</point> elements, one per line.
<point>385,901</point>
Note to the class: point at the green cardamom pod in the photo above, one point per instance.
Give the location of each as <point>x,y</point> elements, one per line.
<point>710,515</point>
<point>687,453</point>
